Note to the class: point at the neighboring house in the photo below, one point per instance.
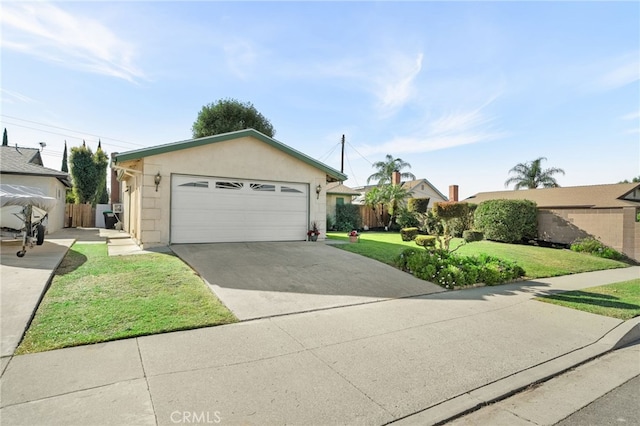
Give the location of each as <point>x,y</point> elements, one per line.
<point>233,187</point>
<point>606,212</point>
<point>23,166</point>
<point>419,188</point>
<point>338,194</point>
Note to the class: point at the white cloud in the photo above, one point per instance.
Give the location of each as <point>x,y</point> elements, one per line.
<point>11,97</point>
<point>241,57</point>
<point>626,70</point>
<point>79,42</point>
<point>632,116</point>
<point>395,84</point>
<point>450,130</point>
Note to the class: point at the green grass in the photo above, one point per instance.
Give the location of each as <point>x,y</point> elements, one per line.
<point>619,300</point>
<point>96,298</point>
<point>538,262</point>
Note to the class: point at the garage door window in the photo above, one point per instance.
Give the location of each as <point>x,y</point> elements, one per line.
<point>289,189</point>
<point>198,184</point>
<point>229,185</point>
<point>263,187</point>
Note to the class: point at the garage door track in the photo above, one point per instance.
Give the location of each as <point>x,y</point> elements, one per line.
<point>257,280</point>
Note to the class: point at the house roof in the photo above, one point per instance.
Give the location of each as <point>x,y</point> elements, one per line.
<point>27,161</point>
<point>340,189</point>
<point>592,196</point>
<point>332,174</point>
<point>409,185</point>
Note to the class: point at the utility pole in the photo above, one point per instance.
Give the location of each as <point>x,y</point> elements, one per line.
<point>342,157</point>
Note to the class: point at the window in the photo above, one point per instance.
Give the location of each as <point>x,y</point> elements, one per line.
<point>262,187</point>
<point>289,189</point>
<point>229,185</point>
<point>339,201</point>
<point>198,184</point>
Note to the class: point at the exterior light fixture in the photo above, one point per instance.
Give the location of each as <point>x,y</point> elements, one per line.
<point>318,189</point>
<point>156,179</point>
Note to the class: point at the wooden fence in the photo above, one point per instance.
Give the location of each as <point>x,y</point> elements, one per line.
<point>371,218</point>
<point>79,215</point>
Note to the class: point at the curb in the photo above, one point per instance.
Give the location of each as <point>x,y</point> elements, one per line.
<point>623,335</point>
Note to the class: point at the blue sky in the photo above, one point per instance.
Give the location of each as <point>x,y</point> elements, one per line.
<point>461,90</point>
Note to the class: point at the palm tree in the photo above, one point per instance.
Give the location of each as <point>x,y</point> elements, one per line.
<point>386,169</point>
<point>393,196</point>
<point>531,175</point>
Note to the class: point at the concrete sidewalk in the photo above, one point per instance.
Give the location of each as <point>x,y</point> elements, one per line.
<point>560,397</point>
<point>419,360</point>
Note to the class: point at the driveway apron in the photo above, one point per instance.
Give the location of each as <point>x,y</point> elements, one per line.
<point>264,279</point>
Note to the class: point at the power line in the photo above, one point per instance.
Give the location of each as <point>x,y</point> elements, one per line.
<point>328,154</point>
<point>365,158</point>
<point>71,130</point>
<point>351,168</point>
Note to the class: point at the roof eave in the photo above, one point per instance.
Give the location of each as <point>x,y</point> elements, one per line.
<point>332,174</point>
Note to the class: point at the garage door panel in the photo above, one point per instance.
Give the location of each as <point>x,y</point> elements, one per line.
<point>212,209</point>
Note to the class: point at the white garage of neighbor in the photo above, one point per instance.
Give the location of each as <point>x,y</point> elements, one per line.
<point>236,187</point>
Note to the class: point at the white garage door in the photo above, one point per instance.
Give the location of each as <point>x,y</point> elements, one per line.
<point>212,209</point>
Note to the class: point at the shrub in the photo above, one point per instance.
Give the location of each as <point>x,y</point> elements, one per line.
<point>460,224</point>
<point>330,223</point>
<point>592,246</point>
<point>408,234</point>
<point>449,270</point>
<point>418,205</point>
<point>347,217</point>
<point>471,236</point>
<point>507,221</point>
<point>407,218</point>
<point>425,240</point>
<point>450,209</point>
<point>433,224</point>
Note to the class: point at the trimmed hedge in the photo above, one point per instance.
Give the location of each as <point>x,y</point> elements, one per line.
<point>449,270</point>
<point>450,209</point>
<point>471,236</point>
<point>425,240</point>
<point>347,217</point>
<point>408,234</point>
<point>418,205</point>
<point>507,221</point>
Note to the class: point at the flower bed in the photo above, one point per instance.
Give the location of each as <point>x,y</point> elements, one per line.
<point>449,270</point>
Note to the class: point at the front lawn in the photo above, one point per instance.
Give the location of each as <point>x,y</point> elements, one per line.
<point>538,262</point>
<point>96,298</point>
<point>619,300</point>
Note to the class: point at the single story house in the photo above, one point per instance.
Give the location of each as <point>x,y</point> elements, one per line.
<point>338,194</point>
<point>606,212</point>
<point>418,188</point>
<point>24,166</point>
<point>233,187</point>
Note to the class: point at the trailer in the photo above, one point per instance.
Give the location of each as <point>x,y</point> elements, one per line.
<point>24,212</point>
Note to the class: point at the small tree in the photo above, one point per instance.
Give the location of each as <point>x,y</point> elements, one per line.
<point>448,211</point>
<point>229,115</point>
<point>65,164</point>
<point>83,173</point>
<point>101,161</point>
<point>392,197</point>
<point>5,138</point>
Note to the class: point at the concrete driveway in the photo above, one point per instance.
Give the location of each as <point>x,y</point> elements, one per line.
<point>257,280</point>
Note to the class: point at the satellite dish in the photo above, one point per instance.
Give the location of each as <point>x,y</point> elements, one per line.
<point>42,145</point>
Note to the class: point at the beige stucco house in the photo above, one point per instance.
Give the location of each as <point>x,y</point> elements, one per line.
<point>338,194</point>
<point>232,187</point>
<point>24,166</point>
<point>418,188</point>
<point>606,212</point>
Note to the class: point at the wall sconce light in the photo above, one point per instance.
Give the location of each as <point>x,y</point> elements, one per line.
<point>157,178</point>
<point>318,189</point>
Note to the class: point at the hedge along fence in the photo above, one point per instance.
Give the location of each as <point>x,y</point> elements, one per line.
<point>508,221</point>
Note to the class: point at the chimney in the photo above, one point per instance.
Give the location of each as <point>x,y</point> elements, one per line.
<point>453,192</point>
<point>115,185</point>
<point>395,178</point>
